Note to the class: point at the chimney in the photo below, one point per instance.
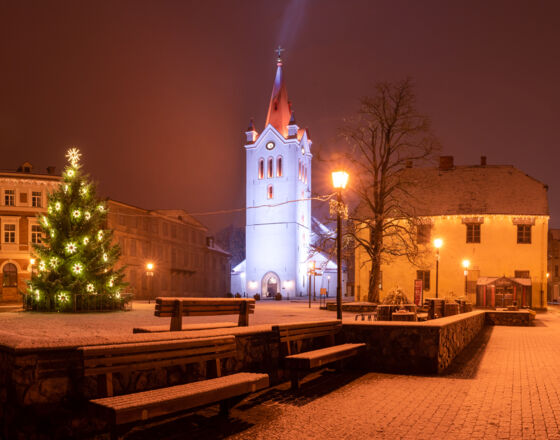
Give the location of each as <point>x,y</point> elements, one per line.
<point>50,170</point>
<point>445,163</point>
<point>482,161</point>
<point>409,163</point>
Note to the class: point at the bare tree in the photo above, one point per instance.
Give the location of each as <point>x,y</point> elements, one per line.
<point>387,135</point>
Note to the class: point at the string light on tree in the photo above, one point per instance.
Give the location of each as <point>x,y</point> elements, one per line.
<point>87,215</point>
<point>71,248</point>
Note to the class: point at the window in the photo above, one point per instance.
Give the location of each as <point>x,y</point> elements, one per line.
<point>524,234</point>
<point>10,275</point>
<point>424,275</point>
<point>36,199</point>
<point>261,168</point>
<point>270,192</point>
<point>132,247</point>
<point>522,274</point>
<point>270,168</point>
<point>473,232</point>
<point>35,234</point>
<point>10,197</point>
<point>423,234</point>
<point>299,169</point>
<point>279,167</point>
<point>9,233</point>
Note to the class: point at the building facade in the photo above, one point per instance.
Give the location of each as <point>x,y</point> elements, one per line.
<point>553,265</point>
<point>493,217</point>
<point>24,196</point>
<point>184,260</point>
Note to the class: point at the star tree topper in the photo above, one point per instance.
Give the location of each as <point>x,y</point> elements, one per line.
<point>73,156</point>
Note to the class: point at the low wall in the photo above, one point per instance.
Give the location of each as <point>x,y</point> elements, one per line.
<point>414,347</point>
<point>510,317</point>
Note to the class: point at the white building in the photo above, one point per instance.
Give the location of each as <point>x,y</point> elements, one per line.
<point>278,216</point>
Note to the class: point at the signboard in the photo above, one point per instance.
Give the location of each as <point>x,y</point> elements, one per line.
<point>323,291</point>
<point>418,291</point>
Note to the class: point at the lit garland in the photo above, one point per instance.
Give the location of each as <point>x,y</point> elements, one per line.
<point>37,294</point>
<point>42,266</point>
<point>105,257</point>
<point>85,240</point>
<point>111,282</point>
<point>57,206</point>
<point>70,172</point>
<point>66,188</point>
<point>76,214</point>
<point>101,208</point>
<point>87,215</point>
<point>63,297</point>
<point>84,190</point>
<point>53,262</point>
<point>90,288</point>
<point>99,235</point>
<point>45,221</point>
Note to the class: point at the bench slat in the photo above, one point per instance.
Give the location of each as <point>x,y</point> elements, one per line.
<point>323,356</point>
<point>188,327</point>
<point>158,364</point>
<point>96,350</point>
<point>148,404</point>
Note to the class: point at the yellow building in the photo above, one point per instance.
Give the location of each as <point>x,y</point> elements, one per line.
<point>492,217</point>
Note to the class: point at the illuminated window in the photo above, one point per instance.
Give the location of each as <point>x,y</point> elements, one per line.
<point>269,192</point>
<point>261,168</point>
<point>10,197</point>
<point>473,232</point>
<point>35,234</point>
<point>36,199</point>
<point>270,168</point>
<point>299,169</point>
<point>9,233</point>
<point>10,275</point>
<point>524,234</point>
<point>424,275</point>
<point>279,167</point>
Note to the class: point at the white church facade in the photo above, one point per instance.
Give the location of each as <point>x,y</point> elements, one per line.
<point>278,209</point>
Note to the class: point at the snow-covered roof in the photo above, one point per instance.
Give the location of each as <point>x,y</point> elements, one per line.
<point>471,190</point>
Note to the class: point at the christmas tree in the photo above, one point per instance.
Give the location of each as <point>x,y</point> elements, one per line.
<point>75,259</point>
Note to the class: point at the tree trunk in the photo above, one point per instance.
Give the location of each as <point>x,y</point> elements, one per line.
<point>374,280</point>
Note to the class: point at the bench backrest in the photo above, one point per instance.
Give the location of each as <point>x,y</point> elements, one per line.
<point>298,332</point>
<point>165,306</point>
<point>108,359</point>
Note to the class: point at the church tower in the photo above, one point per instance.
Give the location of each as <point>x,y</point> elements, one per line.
<point>278,226</point>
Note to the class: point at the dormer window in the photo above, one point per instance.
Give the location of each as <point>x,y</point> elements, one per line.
<point>261,168</point>
<point>270,168</point>
<point>279,166</point>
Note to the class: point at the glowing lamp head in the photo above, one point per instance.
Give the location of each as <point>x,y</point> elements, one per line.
<point>438,242</point>
<point>466,264</point>
<point>311,265</point>
<point>150,266</point>
<point>32,261</point>
<point>339,179</point>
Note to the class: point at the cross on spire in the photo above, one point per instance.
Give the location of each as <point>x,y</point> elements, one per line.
<point>279,51</point>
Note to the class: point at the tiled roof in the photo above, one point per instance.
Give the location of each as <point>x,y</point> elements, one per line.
<point>471,190</point>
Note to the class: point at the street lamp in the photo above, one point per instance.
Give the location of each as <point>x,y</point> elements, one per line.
<point>150,276</point>
<point>438,242</point>
<point>340,179</point>
<point>466,264</point>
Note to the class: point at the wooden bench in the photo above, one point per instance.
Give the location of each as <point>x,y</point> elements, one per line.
<point>176,308</point>
<point>291,337</point>
<point>105,360</point>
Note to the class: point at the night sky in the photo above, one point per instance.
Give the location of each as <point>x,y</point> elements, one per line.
<point>158,94</point>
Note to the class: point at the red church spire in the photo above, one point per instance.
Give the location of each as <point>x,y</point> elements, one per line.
<point>279,111</point>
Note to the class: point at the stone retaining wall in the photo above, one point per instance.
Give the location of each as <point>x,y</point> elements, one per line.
<point>508,317</point>
<point>411,347</point>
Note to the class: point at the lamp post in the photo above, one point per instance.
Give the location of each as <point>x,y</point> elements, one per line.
<point>340,179</point>
<point>149,277</point>
<point>466,264</point>
<point>310,272</point>
<point>438,242</point>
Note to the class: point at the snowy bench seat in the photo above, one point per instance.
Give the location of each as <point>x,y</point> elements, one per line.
<point>103,361</point>
<point>292,336</point>
<point>176,308</point>
<point>188,327</point>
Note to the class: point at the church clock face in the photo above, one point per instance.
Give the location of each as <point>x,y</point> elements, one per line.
<point>270,145</point>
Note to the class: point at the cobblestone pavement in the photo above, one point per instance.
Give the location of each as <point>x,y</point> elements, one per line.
<point>504,385</point>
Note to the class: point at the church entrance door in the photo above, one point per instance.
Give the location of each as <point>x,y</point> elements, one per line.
<point>270,284</point>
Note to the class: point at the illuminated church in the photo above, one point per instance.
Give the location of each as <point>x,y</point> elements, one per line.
<point>278,215</point>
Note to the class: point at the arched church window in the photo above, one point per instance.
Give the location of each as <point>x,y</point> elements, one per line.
<point>270,192</point>
<point>261,168</point>
<point>299,169</point>
<point>10,275</point>
<point>270,170</point>
<point>304,174</point>
<point>279,166</point>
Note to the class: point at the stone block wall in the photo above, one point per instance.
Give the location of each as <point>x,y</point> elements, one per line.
<point>507,317</point>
